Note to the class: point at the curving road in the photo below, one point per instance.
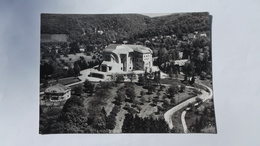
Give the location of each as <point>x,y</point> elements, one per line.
<point>204,96</point>
<point>185,128</point>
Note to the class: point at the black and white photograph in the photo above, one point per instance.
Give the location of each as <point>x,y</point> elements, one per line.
<point>126,73</point>
<point>129,73</point>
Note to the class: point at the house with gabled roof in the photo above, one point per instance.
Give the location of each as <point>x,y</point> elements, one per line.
<point>57,92</point>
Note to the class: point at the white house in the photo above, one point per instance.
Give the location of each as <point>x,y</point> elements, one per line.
<point>57,92</point>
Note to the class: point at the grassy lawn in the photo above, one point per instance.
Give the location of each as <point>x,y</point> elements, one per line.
<point>144,109</point>
<point>169,80</point>
<point>67,81</point>
<point>119,120</point>
<point>109,100</point>
<point>74,57</point>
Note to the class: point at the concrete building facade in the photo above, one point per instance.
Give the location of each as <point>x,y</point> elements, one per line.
<point>126,58</point>
<point>123,59</point>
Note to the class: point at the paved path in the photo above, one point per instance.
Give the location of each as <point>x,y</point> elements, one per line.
<point>183,121</point>
<point>204,96</point>
<point>185,129</point>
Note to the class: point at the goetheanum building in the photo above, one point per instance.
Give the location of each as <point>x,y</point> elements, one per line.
<point>125,58</point>
<point>122,59</point>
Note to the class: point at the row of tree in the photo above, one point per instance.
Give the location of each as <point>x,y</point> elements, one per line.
<point>135,124</point>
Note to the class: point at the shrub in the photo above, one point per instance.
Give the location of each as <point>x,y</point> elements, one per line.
<point>173,102</point>
<point>166,103</point>
<point>115,110</point>
<point>190,105</point>
<point>142,92</point>
<point>182,88</point>
<point>209,77</point>
<point>111,122</point>
<point>203,76</point>
<point>143,100</point>
<point>135,102</point>
<point>132,111</point>
<point>127,106</point>
<point>198,100</point>
<point>196,91</point>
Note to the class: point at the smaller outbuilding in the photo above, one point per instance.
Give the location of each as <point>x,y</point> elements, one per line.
<point>57,92</point>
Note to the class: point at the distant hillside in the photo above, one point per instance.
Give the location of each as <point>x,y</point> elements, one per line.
<point>180,23</point>
<point>109,27</point>
<point>102,29</point>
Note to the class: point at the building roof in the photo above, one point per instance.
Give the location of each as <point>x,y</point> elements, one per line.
<point>108,63</point>
<point>140,48</point>
<point>180,62</point>
<point>125,48</point>
<point>58,88</point>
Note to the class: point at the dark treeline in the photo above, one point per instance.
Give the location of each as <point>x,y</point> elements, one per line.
<point>135,124</point>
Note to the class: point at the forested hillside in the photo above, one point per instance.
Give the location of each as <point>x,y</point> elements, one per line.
<point>100,29</point>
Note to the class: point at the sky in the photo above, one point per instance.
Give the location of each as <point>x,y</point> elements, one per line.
<point>155,14</point>
<point>235,33</point>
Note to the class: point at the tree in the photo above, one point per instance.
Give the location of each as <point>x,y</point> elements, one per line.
<point>192,80</point>
<point>130,92</point>
<point>171,73</point>
<point>158,94</point>
<point>141,79</point>
<point>132,76</point>
<point>142,93</point>
<point>150,87</point>
<point>172,90</point>
<point>76,68</point>
<point>143,100</point>
<point>166,103</point>
<point>78,90</point>
<point>89,87</point>
<point>135,124</point>
<point>155,100</point>
<point>120,96</point>
<point>119,78</point>
<point>173,102</point>
<point>189,69</point>
<point>46,69</point>
<point>203,75</point>
<point>70,72</point>
<point>127,106</point>
<point>135,102</point>
<point>164,96</point>
<point>74,48</point>
<point>102,94</point>
<point>72,118</point>
<point>182,88</point>
<point>161,87</point>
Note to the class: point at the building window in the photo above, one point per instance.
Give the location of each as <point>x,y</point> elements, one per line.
<point>109,67</point>
<point>107,58</point>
